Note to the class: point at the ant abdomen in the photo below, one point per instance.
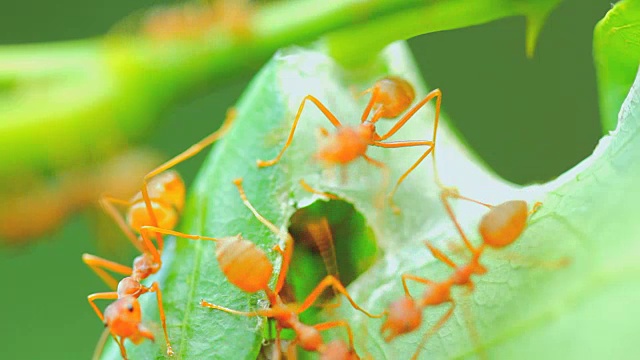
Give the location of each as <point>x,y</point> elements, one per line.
<point>504,223</point>
<point>393,95</point>
<point>166,194</point>
<point>167,186</point>
<point>244,265</point>
<point>166,215</point>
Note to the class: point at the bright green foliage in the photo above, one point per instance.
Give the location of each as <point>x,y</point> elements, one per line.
<point>83,99</point>
<point>616,48</point>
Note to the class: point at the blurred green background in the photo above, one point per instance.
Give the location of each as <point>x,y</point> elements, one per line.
<point>529,119</point>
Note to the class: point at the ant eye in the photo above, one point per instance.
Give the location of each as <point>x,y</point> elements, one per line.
<point>130,308</point>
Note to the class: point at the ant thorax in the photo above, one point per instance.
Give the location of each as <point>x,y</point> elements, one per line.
<point>346,145</point>
<point>287,319</point>
<point>439,292</point>
<point>129,287</point>
<point>143,266</point>
<point>308,336</point>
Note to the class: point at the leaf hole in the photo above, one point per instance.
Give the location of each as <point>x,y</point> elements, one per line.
<point>315,228</point>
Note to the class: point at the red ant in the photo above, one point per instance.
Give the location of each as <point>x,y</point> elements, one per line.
<point>247,267</point>
<point>390,96</point>
<point>501,226</point>
<point>158,204</point>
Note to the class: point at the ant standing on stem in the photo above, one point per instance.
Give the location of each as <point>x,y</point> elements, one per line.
<point>501,226</point>
<point>390,96</point>
<point>158,203</point>
<point>247,267</point>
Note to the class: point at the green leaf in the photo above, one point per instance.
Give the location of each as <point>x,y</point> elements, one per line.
<point>616,49</point>
<point>581,310</point>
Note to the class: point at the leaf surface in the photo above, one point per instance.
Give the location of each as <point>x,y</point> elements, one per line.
<point>588,217</point>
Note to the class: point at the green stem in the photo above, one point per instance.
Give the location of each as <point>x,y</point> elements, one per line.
<point>70,102</point>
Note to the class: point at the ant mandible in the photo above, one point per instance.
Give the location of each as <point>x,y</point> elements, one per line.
<point>390,96</point>
<point>247,267</point>
<point>501,226</point>
<point>158,204</point>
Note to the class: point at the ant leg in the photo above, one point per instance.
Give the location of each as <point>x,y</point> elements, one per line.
<point>176,233</point>
<point>433,94</point>
<point>163,319</point>
<point>336,323</point>
<point>308,188</point>
<point>97,352</point>
<point>337,286</point>
<point>434,329</point>
<point>332,118</point>
<point>451,192</point>
<point>367,110</point>
<point>107,203</point>
<point>416,278</point>
<point>535,208</point>
<point>190,152</point>
<point>385,175</point>
<point>440,255</point>
<point>445,201</point>
<point>270,313</point>
<point>287,252</point>
<point>98,265</point>
<point>278,351</point>
<point>399,144</point>
<point>101,296</point>
<point>123,351</point>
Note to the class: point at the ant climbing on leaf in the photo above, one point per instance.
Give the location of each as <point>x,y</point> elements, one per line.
<point>390,97</point>
<point>157,205</point>
<point>500,227</point>
<point>248,267</point>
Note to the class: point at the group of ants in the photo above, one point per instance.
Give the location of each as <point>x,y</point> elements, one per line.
<point>154,212</point>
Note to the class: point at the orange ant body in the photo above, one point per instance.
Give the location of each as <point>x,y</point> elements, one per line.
<point>248,267</point>
<point>390,97</point>
<point>501,226</point>
<point>194,21</point>
<point>157,205</point>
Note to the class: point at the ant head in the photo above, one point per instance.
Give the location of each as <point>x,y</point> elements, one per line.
<point>338,350</point>
<point>403,316</point>
<point>245,265</point>
<point>308,337</point>
<point>123,317</point>
<point>138,216</point>
<point>393,95</point>
<point>504,223</point>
